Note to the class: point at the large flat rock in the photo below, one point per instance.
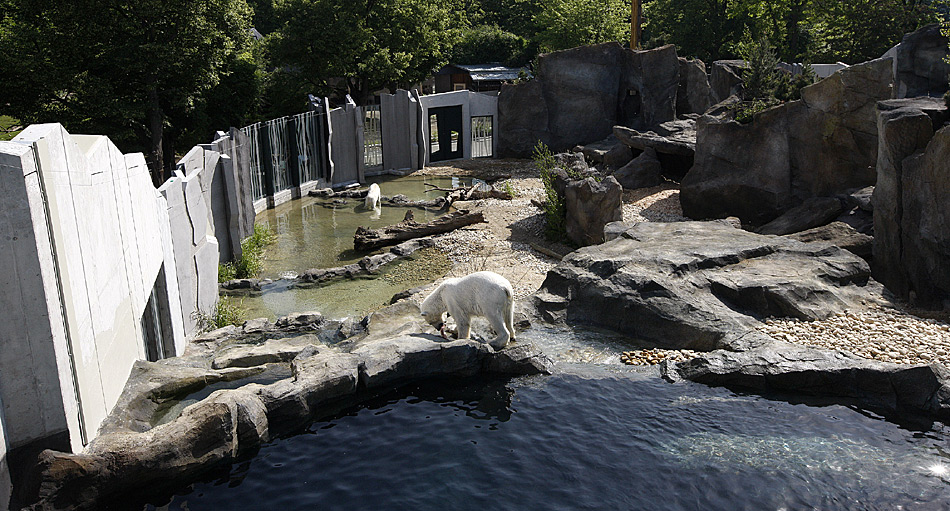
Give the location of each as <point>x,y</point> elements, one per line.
<point>701,285</point>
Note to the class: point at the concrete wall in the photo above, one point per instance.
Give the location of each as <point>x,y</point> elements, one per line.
<point>346,144</point>
<point>85,273</point>
<point>400,114</point>
<point>473,104</point>
<point>188,198</point>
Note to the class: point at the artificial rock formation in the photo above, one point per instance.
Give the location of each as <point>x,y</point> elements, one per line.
<point>579,95</point>
<point>643,171</point>
<point>589,206</point>
<point>700,285</point>
<point>143,450</point>
<point>911,218</point>
<point>821,145</point>
<point>919,63</point>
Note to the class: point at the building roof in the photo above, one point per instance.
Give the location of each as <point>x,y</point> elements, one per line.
<point>491,72</point>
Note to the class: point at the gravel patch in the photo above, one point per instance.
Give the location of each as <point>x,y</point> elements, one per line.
<point>655,356</point>
<point>879,333</point>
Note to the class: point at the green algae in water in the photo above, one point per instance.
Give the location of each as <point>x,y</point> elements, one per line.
<point>315,233</point>
<point>349,298</point>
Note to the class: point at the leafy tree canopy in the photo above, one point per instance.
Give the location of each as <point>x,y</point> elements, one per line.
<point>118,68</point>
<point>569,23</point>
<point>361,46</point>
<point>489,43</point>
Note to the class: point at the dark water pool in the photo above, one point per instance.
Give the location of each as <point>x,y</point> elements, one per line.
<point>571,442</point>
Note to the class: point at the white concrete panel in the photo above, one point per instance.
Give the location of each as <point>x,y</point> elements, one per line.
<point>196,207</point>
<point>206,266</point>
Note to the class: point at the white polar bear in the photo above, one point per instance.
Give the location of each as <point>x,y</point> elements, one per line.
<point>485,294</point>
<point>372,197</point>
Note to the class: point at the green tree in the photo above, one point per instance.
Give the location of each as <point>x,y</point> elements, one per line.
<point>515,16</point>
<point>360,46</point>
<point>489,43</point>
<point>854,31</point>
<point>569,23</point>
<point>123,69</point>
<point>705,29</point>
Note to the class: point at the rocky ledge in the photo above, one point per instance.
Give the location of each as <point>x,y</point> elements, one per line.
<point>708,287</point>
<point>701,285</point>
<point>273,379</point>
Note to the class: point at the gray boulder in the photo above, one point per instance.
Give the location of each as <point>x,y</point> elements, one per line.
<point>822,145</point>
<point>814,212</point>
<point>643,171</point>
<point>574,162</point>
<point>700,285</point>
<point>838,234</point>
<point>725,79</point>
<point>911,220</point>
<point>579,94</point>
<point>919,63</point>
<point>590,206</point>
<point>789,367</point>
<point>695,95</point>
<point>608,151</point>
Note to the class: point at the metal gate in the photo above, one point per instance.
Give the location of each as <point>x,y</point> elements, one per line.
<point>372,138</point>
<point>445,133</point>
<point>482,140</point>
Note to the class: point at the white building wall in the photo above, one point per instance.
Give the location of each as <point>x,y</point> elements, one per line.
<point>109,227</point>
<point>473,104</point>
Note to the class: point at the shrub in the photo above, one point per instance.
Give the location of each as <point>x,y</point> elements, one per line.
<point>224,313</point>
<point>554,211</point>
<point>746,110</point>
<point>761,78</point>
<point>251,262</point>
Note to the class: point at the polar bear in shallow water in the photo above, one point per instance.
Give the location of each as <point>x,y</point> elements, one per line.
<point>372,197</point>
<point>485,294</point>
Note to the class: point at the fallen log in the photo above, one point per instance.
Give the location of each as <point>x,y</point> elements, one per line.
<point>371,239</point>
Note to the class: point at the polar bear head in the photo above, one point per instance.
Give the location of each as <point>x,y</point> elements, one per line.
<point>433,307</point>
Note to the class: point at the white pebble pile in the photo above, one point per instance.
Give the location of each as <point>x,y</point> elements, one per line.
<point>655,356</point>
<point>879,333</point>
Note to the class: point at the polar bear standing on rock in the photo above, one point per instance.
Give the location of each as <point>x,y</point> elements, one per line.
<point>372,197</point>
<point>485,294</point>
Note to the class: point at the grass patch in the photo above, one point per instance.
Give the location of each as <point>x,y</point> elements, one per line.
<point>9,128</point>
<point>225,312</point>
<point>251,262</point>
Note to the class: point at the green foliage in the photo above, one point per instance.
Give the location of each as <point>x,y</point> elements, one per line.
<point>761,78</point>
<point>360,46</point>
<point>515,16</point>
<point>224,313</point>
<point>851,31</point>
<point>790,87</point>
<point>251,261</point>
<point>569,23</point>
<point>126,70</point>
<point>509,189</point>
<point>489,43</point>
<point>9,127</point>
<point>745,111</point>
<point>555,227</point>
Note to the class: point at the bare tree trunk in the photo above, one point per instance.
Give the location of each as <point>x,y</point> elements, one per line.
<point>156,126</point>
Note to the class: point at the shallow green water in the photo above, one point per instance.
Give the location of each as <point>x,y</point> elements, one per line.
<point>311,234</point>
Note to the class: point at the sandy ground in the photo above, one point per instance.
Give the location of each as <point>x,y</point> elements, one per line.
<point>512,244</point>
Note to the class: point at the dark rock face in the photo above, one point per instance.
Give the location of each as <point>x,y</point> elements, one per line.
<point>822,145</point>
<point>581,93</point>
<point>911,220</point>
<point>725,79</point>
<point>920,65</point>
<point>700,285</point>
<point>814,212</point>
<point>608,151</point>
<point>694,96</point>
<point>643,171</point>
<point>841,235</point>
<point>590,206</point>
<point>789,367</point>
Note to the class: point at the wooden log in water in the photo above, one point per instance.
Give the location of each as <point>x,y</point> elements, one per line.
<point>371,239</point>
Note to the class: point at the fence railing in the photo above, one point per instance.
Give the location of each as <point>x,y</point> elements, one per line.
<point>372,137</point>
<point>482,139</point>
